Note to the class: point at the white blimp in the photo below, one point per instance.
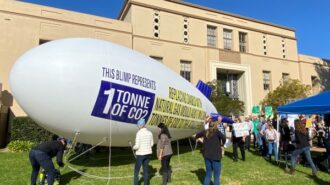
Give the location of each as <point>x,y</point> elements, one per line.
<point>100,90</point>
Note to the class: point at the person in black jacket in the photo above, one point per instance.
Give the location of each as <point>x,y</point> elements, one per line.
<point>327,141</point>
<point>42,156</point>
<point>302,146</point>
<point>212,139</point>
<point>238,142</point>
<point>285,137</point>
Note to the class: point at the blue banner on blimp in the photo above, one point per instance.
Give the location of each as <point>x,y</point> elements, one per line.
<point>122,103</point>
<point>119,102</point>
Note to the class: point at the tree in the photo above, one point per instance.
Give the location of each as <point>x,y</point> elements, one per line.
<point>288,91</point>
<point>224,104</point>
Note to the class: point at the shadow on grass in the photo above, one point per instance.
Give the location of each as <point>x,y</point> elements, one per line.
<point>69,176</point>
<point>319,181</point>
<point>121,155</point>
<point>152,173</point>
<point>229,154</point>
<point>200,173</point>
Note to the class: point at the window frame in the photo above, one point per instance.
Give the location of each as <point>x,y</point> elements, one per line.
<point>265,87</point>
<point>186,70</point>
<point>227,39</point>
<point>243,41</point>
<point>212,36</point>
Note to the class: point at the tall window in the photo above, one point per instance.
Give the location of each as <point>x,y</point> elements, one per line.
<point>242,42</point>
<point>285,76</point>
<point>266,80</point>
<point>185,69</point>
<point>227,39</point>
<point>159,59</point>
<point>211,36</point>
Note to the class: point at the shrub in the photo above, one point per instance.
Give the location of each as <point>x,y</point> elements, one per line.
<point>20,146</point>
<point>25,129</point>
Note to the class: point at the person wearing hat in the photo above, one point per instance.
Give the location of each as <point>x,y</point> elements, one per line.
<point>143,144</point>
<point>164,152</point>
<point>42,156</point>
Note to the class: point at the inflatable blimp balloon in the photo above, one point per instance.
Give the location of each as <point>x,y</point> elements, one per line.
<point>100,90</point>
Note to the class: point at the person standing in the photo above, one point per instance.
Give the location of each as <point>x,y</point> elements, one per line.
<point>164,152</point>
<point>271,138</point>
<point>212,152</point>
<point>238,142</point>
<point>285,137</point>
<point>143,144</point>
<point>222,128</point>
<point>302,146</point>
<point>257,143</point>
<point>327,141</point>
<point>42,156</point>
<point>250,125</point>
<point>263,128</point>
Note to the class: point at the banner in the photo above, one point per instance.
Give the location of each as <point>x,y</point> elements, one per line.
<point>268,111</point>
<point>255,110</point>
<point>241,129</point>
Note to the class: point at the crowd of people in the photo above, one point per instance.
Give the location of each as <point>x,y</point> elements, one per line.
<point>261,134</point>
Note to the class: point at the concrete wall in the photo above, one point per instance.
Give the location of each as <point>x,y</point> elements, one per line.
<point>22,25</point>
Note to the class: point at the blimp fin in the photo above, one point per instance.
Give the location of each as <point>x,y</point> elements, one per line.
<point>204,88</point>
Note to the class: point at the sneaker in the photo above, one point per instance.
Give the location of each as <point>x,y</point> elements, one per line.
<point>314,174</point>
<point>291,171</point>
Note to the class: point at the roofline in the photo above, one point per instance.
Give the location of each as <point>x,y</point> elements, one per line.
<point>126,3</point>
<point>230,14</point>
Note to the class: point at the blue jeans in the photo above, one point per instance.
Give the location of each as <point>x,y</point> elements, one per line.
<point>258,138</point>
<point>272,146</point>
<point>214,165</point>
<point>307,153</point>
<point>141,160</point>
<point>39,158</point>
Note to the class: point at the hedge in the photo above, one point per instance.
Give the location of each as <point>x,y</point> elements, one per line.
<point>25,129</point>
<point>20,146</point>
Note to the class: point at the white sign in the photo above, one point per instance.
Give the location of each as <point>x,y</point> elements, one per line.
<point>241,129</point>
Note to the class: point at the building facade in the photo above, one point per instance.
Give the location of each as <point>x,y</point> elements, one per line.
<point>249,56</point>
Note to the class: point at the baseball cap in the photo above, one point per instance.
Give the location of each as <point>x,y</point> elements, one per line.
<point>141,122</point>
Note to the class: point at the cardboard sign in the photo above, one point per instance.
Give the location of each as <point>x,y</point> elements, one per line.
<point>241,129</point>
<point>309,122</point>
<point>255,110</point>
<point>268,111</point>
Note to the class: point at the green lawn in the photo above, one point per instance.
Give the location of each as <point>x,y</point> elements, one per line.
<point>188,169</point>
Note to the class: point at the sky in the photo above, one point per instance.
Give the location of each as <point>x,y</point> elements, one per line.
<point>310,18</point>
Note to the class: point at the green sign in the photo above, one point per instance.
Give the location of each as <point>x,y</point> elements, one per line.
<point>268,110</point>
<point>255,110</point>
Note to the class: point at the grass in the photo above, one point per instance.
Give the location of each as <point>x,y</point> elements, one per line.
<point>188,169</point>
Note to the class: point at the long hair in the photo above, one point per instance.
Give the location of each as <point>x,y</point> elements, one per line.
<point>300,128</point>
<point>212,129</point>
<point>270,126</point>
<point>163,130</point>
